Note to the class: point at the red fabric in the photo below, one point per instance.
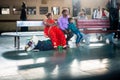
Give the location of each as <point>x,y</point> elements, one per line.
<point>103,14</point>
<point>55,34</point>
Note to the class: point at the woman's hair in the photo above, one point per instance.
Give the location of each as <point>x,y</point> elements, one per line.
<point>48,14</point>
<point>69,19</point>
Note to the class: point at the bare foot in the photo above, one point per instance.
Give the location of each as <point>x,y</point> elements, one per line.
<point>77,45</point>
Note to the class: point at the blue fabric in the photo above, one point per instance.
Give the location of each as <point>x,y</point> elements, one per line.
<point>72,27</point>
<point>44,45</point>
<point>75,30</point>
<point>79,37</point>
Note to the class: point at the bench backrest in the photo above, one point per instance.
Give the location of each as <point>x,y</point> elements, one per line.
<point>29,23</point>
<point>82,24</point>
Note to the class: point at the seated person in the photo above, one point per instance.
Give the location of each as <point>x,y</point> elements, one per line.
<point>75,30</point>
<point>105,13</point>
<point>97,14</point>
<point>82,16</point>
<point>63,25</point>
<point>52,31</point>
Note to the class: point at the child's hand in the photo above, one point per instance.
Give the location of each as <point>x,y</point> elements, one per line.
<point>69,30</point>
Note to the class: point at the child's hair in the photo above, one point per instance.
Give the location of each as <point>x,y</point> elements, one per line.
<point>48,14</point>
<point>69,19</point>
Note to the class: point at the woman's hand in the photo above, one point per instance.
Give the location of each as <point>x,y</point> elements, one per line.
<point>45,35</point>
<point>66,31</point>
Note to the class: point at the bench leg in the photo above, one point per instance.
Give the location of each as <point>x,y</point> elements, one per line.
<point>109,36</point>
<point>15,41</point>
<point>18,42</point>
<point>86,37</point>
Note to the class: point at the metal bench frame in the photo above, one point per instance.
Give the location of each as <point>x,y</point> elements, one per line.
<point>18,34</point>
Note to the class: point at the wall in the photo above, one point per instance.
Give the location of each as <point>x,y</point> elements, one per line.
<point>93,4</point>
<point>37,3</point>
<point>7,22</point>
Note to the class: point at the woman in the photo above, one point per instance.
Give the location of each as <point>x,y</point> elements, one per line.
<point>53,32</point>
<point>105,13</point>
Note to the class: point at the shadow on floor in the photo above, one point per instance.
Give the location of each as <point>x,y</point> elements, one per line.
<point>64,59</point>
<point>83,53</point>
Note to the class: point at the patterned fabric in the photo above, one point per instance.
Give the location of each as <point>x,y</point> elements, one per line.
<point>55,34</point>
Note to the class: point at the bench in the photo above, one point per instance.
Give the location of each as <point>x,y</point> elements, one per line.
<point>87,25</point>
<point>95,26</point>
<point>18,34</point>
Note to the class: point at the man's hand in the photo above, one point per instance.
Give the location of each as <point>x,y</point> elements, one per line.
<point>66,31</point>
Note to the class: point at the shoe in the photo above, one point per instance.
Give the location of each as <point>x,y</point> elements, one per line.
<point>30,46</point>
<point>30,43</point>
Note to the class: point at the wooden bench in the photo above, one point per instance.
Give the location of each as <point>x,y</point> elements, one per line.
<point>95,26</point>
<point>18,34</point>
<point>93,23</point>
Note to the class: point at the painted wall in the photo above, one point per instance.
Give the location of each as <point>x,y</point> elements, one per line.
<point>93,4</point>
<point>11,26</point>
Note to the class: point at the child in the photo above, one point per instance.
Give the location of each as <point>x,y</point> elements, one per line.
<point>75,30</point>
<point>53,32</point>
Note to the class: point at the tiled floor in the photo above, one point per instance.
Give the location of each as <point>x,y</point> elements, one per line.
<point>88,62</point>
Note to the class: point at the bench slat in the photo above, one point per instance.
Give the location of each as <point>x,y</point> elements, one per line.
<point>99,31</point>
<point>93,26</point>
<point>93,23</point>
<point>92,20</point>
<point>29,23</point>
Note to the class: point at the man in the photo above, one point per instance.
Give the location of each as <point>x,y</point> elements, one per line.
<point>63,24</point>
<point>97,13</point>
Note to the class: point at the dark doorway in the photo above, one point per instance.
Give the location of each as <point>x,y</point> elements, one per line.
<point>76,7</point>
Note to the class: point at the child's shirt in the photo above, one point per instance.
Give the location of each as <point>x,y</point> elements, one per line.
<point>72,27</point>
